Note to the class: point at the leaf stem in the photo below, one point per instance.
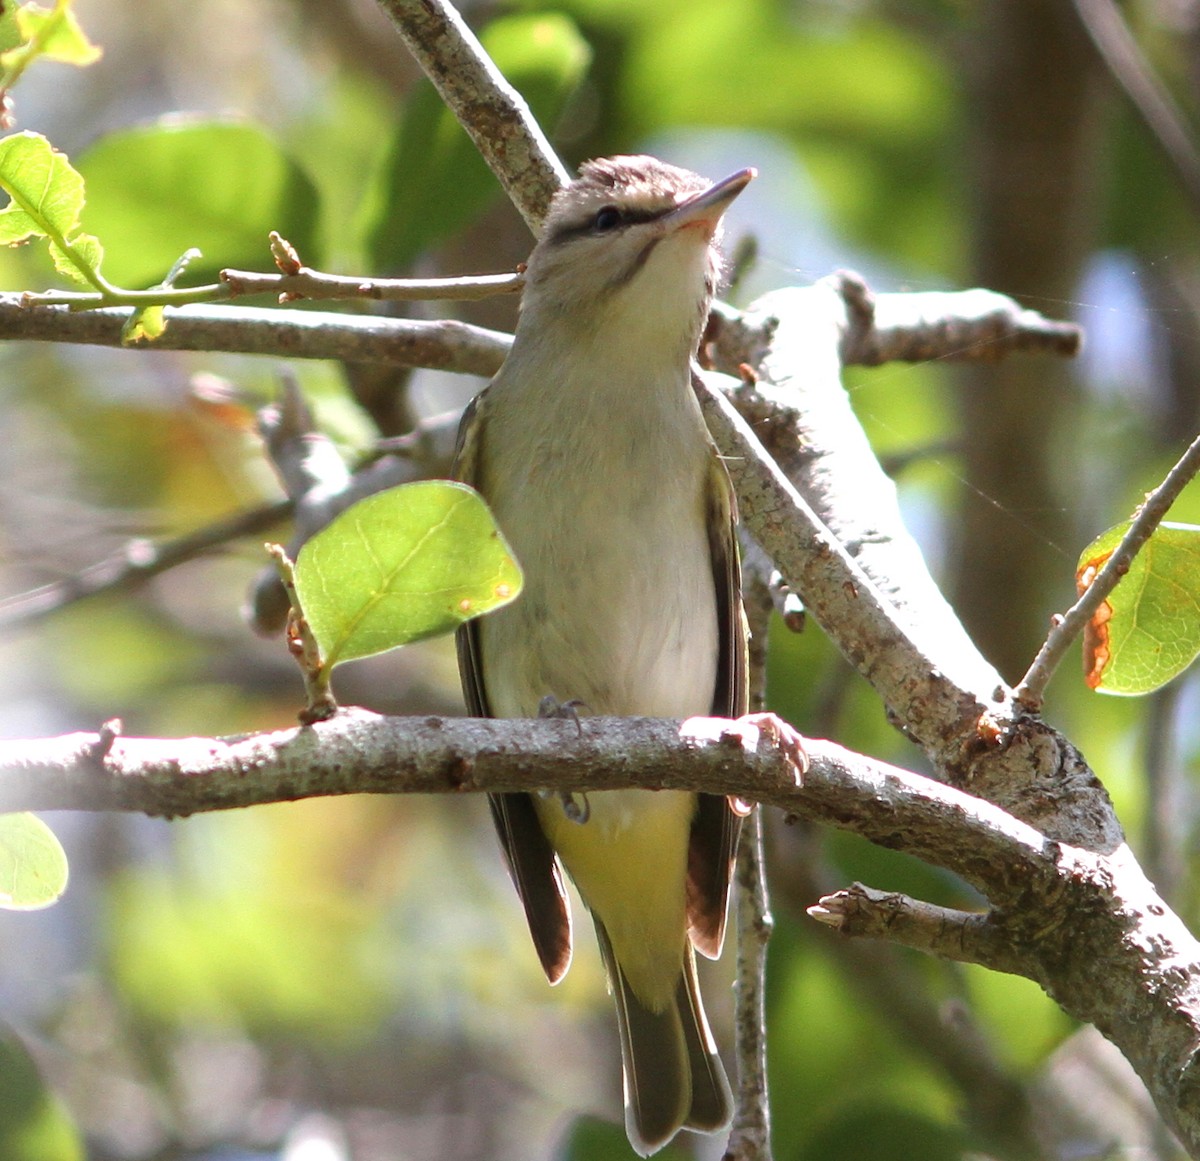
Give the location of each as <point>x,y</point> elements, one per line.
<point>1031,689</point>
<point>302,645</point>
<point>304,284</point>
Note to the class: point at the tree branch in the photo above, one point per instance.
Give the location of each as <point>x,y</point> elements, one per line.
<point>1088,927</point>
<point>361,752</point>
<point>486,105</point>
<point>969,937</point>
<point>861,575</point>
<point>286,334</point>
<point>750,1133</point>
<point>136,563</point>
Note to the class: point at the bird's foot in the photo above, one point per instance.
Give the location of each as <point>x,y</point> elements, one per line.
<point>747,732</point>
<point>790,742</point>
<point>550,708</point>
<point>575,806</point>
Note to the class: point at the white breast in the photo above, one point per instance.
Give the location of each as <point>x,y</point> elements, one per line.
<point>608,522</point>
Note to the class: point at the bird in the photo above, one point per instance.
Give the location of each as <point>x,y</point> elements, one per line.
<point>591,450</point>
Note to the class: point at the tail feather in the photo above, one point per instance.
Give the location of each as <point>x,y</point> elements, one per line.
<point>712,1101</point>
<point>673,1076</point>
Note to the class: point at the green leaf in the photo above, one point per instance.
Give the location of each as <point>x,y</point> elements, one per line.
<point>33,866</point>
<point>82,264</point>
<point>1148,631</point>
<point>47,194</point>
<point>58,32</point>
<point>16,226</point>
<point>181,183</point>
<point>10,31</point>
<point>144,325</point>
<point>34,1126</point>
<point>407,563</point>
<point>435,182</point>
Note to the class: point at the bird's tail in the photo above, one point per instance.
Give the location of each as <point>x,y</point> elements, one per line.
<point>673,1076</point>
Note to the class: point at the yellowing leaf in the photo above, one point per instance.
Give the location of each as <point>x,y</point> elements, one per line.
<point>1148,630</point>
<point>144,325</point>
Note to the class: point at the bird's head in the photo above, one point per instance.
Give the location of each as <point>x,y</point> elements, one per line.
<point>631,247</point>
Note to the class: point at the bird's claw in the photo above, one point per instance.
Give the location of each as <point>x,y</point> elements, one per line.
<point>750,727</point>
<point>575,806</point>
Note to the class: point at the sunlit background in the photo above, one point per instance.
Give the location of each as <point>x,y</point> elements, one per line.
<point>351,980</point>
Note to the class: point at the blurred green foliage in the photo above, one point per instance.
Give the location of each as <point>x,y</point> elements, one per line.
<point>434,182</point>
<point>367,959</point>
<point>220,186</point>
<point>34,1125</point>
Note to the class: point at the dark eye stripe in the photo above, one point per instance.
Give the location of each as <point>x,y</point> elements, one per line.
<point>587,226</point>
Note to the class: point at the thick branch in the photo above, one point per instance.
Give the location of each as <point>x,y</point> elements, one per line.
<point>1130,967</point>
<point>954,325</point>
<point>862,576</point>
<point>875,636</point>
<point>361,752</point>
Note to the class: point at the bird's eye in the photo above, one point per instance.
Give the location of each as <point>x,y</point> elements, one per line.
<point>607,218</point>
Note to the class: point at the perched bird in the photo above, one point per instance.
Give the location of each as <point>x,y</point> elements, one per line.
<point>590,447</point>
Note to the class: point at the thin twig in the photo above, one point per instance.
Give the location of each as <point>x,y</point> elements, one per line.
<point>304,283</point>
<point>313,284</point>
<point>750,1135</point>
<point>1032,687</point>
<point>942,931</point>
<point>136,563</point>
<point>750,1138</point>
<point>1127,64</point>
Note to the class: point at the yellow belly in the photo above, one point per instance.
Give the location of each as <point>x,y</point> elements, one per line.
<point>629,861</point>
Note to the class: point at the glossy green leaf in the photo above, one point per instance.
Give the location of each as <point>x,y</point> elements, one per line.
<point>33,865</point>
<point>1148,631</point>
<point>33,1124</point>
<point>435,181</point>
<point>408,563</point>
<point>46,192</point>
<point>218,185</point>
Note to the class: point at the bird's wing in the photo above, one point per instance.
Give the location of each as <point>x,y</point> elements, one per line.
<point>529,855</point>
<point>716,826</point>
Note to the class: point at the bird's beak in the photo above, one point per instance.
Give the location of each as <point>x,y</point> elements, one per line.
<point>703,211</point>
